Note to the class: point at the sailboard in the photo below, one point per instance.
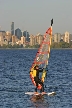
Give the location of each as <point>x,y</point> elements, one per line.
<point>36,94</point>
<point>42,56</point>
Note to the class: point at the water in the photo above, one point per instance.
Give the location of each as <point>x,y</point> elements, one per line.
<point>15,80</point>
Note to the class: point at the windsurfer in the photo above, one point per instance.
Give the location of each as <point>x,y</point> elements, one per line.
<point>36,78</point>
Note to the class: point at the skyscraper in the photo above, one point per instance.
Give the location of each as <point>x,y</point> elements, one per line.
<point>18,33</point>
<point>26,34</point>
<point>12,28</point>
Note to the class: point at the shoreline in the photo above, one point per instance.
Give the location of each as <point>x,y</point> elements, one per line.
<point>34,48</point>
<point>18,48</point>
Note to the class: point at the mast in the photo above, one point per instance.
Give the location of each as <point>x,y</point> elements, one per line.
<point>51,32</point>
<point>50,39</point>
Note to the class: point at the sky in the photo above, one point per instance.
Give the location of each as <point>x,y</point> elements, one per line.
<point>35,15</point>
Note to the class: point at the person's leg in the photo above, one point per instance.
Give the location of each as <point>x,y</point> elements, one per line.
<point>36,89</point>
<point>40,82</point>
<point>36,81</point>
<point>42,88</point>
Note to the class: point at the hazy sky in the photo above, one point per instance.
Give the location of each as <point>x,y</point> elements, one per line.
<point>35,15</point>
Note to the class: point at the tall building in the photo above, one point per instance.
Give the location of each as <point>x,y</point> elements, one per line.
<point>18,33</point>
<point>26,34</point>
<point>66,38</point>
<point>32,40</point>
<point>35,39</point>
<point>57,37</point>
<point>40,39</point>
<point>8,36</point>
<point>22,40</point>
<point>2,37</point>
<point>13,39</point>
<point>12,28</point>
<point>2,33</point>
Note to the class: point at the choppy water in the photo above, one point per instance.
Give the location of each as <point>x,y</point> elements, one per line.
<point>15,81</point>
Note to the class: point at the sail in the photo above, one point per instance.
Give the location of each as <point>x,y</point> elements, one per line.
<point>42,55</point>
<point>43,52</point>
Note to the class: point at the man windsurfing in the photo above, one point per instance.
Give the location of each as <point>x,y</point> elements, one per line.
<point>36,72</point>
<point>41,60</point>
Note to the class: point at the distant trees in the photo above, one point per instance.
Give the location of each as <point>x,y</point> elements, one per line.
<point>34,46</point>
<point>54,45</point>
<point>61,45</point>
<point>11,46</point>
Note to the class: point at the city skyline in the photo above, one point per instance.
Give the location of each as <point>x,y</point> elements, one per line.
<point>13,31</point>
<point>35,16</point>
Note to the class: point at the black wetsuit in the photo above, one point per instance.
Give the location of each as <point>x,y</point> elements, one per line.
<point>37,80</point>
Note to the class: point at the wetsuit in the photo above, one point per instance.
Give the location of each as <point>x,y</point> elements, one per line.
<point>37,80</point>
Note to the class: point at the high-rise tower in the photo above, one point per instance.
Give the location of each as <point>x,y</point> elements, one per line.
<point>12,28</point>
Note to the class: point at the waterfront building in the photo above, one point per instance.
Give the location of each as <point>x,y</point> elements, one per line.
<point>26,34</point>
<point>66,37</point>
<point>40,38</point>
<point>18,33</point>
<point>32,40</point>
<point>57,37</point>
<point>12,28</point>
<point>13,39</point>
<point>8,36</point>
<point>23,40</point>
<point>2,37</point>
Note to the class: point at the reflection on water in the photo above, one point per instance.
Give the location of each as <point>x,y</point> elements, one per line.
<point>39,101</point>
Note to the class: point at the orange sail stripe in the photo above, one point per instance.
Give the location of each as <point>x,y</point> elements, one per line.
<point>44,52</point>
<point>46,43</point>
<point>40,62</point>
